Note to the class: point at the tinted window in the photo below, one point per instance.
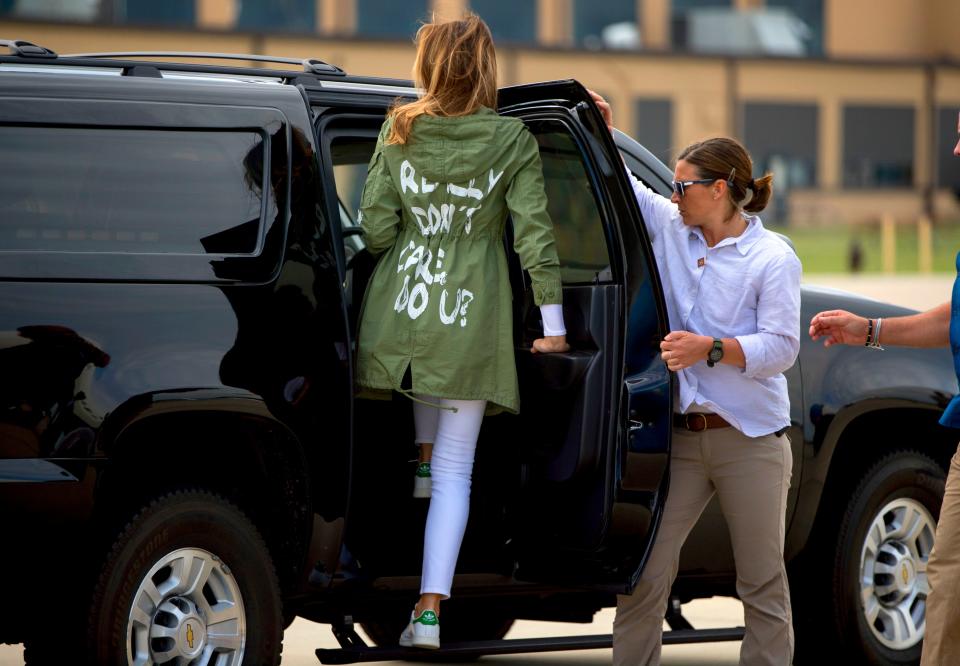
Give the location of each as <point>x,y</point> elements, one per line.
<point>350,157</point>
<point>573,207</point>
<point>130,191</point>
<point>878,146</point>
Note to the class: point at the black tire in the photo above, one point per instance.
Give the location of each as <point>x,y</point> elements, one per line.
<point>829,614</point>
<point>239,562</point>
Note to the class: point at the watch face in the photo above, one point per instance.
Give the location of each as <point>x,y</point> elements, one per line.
<point>717,352</point>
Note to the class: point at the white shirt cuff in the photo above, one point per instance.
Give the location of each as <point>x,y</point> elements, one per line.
<point>552,315</point>
<point>752,348</point>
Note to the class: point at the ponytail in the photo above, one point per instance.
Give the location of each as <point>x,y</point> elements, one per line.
<point>762,189</point>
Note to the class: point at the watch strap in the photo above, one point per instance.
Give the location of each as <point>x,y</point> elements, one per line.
<point>716,353</point>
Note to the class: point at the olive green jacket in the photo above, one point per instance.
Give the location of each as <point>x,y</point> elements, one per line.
<point>439,301</point>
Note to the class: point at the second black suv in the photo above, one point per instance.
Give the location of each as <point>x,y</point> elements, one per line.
<point>183,465</point>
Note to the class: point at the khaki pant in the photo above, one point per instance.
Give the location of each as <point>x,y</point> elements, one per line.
<point>751,477</point>
<point>941,642</point>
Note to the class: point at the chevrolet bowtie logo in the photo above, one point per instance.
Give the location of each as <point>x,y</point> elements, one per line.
<point>903,572</point>
<point>190,631</point>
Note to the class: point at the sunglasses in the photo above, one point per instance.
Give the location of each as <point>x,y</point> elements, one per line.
<point>680,186</point>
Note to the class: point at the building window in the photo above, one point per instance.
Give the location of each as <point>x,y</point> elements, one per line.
<point>679,19</point>
<point>611,24</point>
<point>150,12</point>
<point>782,139</point>
<point>878,146</point>
<point>654,127</point>
<point>54,10</point>
<point>810,12</point>
<point>389,18</point>
<point>168,12</point>
<point>282,15</point>
<point>948,164</point>
<point>509,20</point>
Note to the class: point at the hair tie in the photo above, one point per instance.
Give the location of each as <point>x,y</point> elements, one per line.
<point>753,184</point>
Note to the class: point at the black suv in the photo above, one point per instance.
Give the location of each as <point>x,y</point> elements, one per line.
<point>184,467</point>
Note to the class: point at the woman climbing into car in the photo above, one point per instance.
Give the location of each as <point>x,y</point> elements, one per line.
<point>732,290</point>
<point>445,173</point>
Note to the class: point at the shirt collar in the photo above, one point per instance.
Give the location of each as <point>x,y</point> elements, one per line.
<point>745,241</point>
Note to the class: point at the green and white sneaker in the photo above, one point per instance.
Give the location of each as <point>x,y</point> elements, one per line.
<point>422,481</point>
<point>422,632</point>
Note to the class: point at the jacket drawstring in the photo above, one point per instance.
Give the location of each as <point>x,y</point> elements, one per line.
<point>408,393</point>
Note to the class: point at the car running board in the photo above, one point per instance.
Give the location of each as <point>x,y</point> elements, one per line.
<point>355,650</point>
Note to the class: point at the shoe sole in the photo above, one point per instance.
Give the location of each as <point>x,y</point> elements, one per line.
<point>422,642</point>
<point>433,645</point>
<point>422,488</point>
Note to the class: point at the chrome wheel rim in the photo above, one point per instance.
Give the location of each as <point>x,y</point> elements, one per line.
<point>893,573</point>
<point>187,610</point>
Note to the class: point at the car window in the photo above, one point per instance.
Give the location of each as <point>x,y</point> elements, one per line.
<point>571,201</point>
<point>573,206</point>
<point>158,191</point>
<point>350,156</point>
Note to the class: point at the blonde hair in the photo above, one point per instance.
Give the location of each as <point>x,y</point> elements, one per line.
<point>456,66</point>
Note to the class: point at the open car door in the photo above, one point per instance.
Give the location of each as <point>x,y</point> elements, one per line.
<point>594,428</point>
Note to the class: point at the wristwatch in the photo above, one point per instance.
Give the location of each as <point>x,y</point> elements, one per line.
<point>716,353</point>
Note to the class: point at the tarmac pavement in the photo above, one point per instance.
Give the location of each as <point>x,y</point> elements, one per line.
<point>303,637</point>
<point>916,291</point>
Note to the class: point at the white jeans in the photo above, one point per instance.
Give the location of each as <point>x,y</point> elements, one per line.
<point>454,437</point>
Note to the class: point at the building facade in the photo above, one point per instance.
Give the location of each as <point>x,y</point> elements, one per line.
<point>851,103</point>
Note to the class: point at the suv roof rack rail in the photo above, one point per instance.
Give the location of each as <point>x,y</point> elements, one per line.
<point>310,65</point>
<point>19,47</point>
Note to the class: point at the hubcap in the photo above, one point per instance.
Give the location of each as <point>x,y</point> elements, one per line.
<point>187,610</point>
<point>893,573</point>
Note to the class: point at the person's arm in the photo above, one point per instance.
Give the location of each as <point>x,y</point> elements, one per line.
<point>776,344</point>
<point>926,329</point>
<point>534,242</point>
<point>380,204</point>
<point>655,209</point>
<point>769,351</point>
<point>681,349</point>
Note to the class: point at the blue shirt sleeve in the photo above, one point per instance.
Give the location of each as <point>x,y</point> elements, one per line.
<point>775,345</point>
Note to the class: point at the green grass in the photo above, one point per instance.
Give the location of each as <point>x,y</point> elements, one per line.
<point>827,249</point>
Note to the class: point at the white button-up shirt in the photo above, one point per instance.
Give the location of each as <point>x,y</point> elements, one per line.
<point>746,287</point>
